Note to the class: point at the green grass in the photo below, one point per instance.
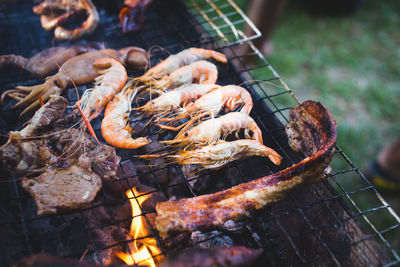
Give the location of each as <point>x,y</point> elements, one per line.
<point>352,65</point>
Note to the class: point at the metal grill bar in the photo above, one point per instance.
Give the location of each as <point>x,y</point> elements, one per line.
<point>223,14</point>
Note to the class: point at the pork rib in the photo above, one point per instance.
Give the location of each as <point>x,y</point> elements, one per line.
<point>312,130</point>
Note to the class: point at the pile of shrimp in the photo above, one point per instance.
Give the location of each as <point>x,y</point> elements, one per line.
<point>188,100</point>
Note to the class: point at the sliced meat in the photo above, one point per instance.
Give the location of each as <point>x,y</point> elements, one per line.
<point>63,190</point>
<point>314,130</point>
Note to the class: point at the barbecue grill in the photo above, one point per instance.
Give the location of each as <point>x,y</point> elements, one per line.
<point>322,224</point>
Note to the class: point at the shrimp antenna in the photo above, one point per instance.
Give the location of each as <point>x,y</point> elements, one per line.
<point>88,125</point>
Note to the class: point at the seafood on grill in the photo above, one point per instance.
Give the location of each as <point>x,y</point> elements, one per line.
<point>48,60</point>
<point>214,129</point>
<point>110,81</point>
<point>131,15</point>
<point>75,71</point>
<point>55,13</point>
<point>216,156</point>
<point>202,72</point>
<point>229,97</point>
<point>115,127</point>
<point>312,130</point>
<point>181,59</point>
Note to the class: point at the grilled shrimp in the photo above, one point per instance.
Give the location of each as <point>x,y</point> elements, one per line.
<point>230,97</point>
<point>176,98</point>
<point>78,70</point>
<point>183,58</point>
<point>215,156</point>
<point>214,129</point>
<point>110,81</point>
<point>115,127</point>
<point>70,8</point>
<point>202,72</point>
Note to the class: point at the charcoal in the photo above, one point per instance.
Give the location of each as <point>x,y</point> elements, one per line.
<point>128,168</point>
<point>233,226</point>
<point>211,239</point>
<point>162,173</point>
<point>177,187</point>
<point>107,237</point>
<point>200,182</point>
<point>213,257</point>
<point>97,217</point>
<point>116,189</point>
<point>123,214</point>
<point>150,203</point>
<point>45,260</point>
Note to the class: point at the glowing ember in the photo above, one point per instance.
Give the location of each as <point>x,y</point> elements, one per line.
<point>145,247</point>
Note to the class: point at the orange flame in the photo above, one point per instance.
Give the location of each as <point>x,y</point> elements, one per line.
<point>143,247</point>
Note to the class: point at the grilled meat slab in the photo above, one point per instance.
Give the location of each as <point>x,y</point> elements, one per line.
<point>62,190</point>
<point>213,257</point>
<point>312,129</point>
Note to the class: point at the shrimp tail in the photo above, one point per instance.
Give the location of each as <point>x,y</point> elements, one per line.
<point>219,56</point>
<point>273,156</point>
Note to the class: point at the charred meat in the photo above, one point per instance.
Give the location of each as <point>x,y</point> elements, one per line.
<point>312,129</point>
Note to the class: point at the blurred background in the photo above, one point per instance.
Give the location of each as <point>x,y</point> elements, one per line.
<point>347,55</point>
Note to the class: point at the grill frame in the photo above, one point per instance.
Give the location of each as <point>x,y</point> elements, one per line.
<point>267,89</point>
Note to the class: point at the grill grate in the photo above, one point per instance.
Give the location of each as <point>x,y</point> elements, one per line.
<point>324,224</point>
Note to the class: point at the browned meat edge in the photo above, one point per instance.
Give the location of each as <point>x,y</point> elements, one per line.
<point>312,129</point>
